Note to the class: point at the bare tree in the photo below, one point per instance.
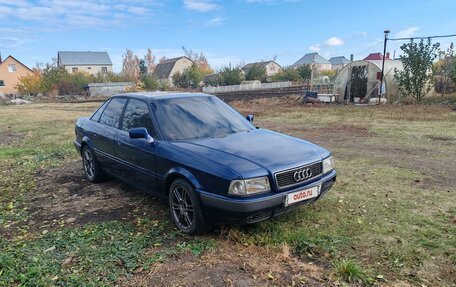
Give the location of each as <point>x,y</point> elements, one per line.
<point>200,60</point>
<point>130,65</point>
<point>162,59</point>
<point>150,61</point>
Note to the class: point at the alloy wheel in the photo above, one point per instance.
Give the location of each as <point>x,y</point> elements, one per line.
<point>89,165</point>
<point>182,207</point>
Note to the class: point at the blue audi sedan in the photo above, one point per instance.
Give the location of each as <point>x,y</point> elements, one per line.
<point>195,152</point>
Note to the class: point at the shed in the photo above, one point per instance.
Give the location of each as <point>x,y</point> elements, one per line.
<point>361,79</point>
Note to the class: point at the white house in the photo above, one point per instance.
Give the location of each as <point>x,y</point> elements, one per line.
<point>89,62</point>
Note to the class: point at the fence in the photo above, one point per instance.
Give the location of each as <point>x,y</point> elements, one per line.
<point>246,87</point>
<point>108,89</point>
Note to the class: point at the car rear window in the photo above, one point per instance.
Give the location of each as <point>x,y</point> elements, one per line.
<point>137,115</point>
<point>112,112</point>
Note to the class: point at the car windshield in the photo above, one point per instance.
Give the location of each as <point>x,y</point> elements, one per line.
<point>197,117</point>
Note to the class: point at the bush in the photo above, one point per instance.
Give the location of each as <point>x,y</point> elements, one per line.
<point>149,82</point>
<point>231,76</point>
<point>257,72</point>
<point>31,84</point>
<point>288,74</point>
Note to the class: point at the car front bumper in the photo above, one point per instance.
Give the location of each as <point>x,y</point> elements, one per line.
<point>222,209</point>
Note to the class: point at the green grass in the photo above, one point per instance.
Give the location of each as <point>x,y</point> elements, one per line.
<point>391,211</point>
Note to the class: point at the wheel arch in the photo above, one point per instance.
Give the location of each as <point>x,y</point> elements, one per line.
<point>179,173</point>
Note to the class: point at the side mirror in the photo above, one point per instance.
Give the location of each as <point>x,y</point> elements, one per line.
<point>249,118</point>
<point>140,133</point>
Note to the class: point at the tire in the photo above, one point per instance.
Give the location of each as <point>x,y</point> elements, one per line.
<point>91,166</point>
<point>185,209</point>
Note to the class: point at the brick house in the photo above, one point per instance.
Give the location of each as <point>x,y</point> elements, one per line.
<point>11,70</point>
<point>88,62</point>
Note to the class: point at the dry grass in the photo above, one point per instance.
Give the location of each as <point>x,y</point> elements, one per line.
<point>392,210</point>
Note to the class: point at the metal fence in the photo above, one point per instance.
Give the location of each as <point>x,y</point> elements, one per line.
<point>108,89</point>
<point>246,87</point>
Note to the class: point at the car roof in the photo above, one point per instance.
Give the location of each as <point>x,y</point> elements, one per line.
<point>153,96</point>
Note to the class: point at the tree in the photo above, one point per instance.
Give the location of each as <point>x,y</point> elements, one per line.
<point>417,61</point>
<point>142,67</point>
<point>149,82</point>
<point>130,65</point>
<point>200,60</point>
<point>150,61</point>
<point>190,78</point>
<point>256,72</point>
<point>31,84</point>
<point>288,74</point>
<point>52,76</point>
<point>231,76</point>
<point>445,69</point>
<point>305,71</point>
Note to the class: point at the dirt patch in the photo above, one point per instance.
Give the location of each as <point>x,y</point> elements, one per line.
<point>65,197</point>
<point>9,138</point>
<point>232,264</point>
<point>438,138</point>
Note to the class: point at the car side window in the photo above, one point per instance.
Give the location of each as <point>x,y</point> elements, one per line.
<point>112,112</point>
<point>137,115</point>
<point>96,116</point>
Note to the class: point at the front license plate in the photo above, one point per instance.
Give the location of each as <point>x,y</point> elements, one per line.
<point>301,195</point>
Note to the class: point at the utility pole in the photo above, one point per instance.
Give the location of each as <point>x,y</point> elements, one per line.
<point>383,65</point>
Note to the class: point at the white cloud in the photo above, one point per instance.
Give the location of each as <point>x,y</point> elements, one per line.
<point>315,48</point>
<point>407,33</point>
<point>334,42</point>
<point>200,5</point>
<point>77,13</point>
<point>217,21</point>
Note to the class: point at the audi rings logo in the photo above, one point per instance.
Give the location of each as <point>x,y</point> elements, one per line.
<point>302,174</point>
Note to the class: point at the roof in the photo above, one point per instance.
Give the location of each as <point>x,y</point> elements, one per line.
<point>83,58</point>
<point>341,60</point>
<point>376,56</point>
<point>163,69</point>
<point>17,62</point>
<point>311,58</point>
<point>249,66</point>
<point>162,95</point>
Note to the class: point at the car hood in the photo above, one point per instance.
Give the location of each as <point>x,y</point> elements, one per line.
<point>256,152</point>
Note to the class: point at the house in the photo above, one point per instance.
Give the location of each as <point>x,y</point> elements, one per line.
<point>10,72</point>
<point>271,67</point>
<point>315,60</point>
<point>376,57</point>
<point>337,63</point>
<point>166,69</point>
<point>89,62</point>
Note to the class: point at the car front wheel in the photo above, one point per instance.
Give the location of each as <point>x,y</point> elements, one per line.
<point>185,209</point>
<point>92,168</point>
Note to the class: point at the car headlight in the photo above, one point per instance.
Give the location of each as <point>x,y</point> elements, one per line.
<point>249,186</point>
<point>328,164</point>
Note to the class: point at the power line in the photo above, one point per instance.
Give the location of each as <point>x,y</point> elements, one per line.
<point>381,42</point>
<point>429,37</point>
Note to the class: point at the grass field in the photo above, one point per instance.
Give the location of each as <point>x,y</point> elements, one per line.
<point>390,219</point>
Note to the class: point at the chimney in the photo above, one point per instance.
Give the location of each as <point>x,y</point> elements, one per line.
<point>1,58</point>
<point>351,58</point>
<point>387,56</point>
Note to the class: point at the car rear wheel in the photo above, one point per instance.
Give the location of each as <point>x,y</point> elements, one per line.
<point>185,209</point>
<point>92,168</point>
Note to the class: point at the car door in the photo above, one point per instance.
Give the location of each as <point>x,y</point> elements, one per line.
<point>138,156</point>
<point>104,133</point>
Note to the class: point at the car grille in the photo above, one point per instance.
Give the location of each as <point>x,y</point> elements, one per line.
<point>286,178</point>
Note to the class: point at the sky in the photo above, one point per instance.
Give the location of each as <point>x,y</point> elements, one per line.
<point>228,32</point>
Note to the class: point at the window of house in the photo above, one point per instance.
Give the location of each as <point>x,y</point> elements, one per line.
<point>111,114</point>
<point>11,68</point>
<point>2,83</point>
<point>104,69</point>
<point>137,115</point>
<point>74,70</point>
